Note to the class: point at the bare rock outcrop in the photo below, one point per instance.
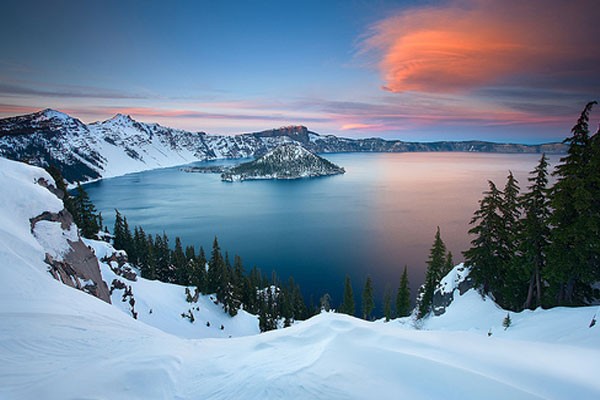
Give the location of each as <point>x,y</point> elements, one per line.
<point>70,260</point>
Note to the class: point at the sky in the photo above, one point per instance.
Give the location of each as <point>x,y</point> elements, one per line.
<point>511,70</point>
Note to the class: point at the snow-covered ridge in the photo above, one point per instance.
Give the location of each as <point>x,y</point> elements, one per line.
<point>122,145</point>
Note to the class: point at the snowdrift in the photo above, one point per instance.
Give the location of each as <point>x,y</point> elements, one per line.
<point>57,342</point>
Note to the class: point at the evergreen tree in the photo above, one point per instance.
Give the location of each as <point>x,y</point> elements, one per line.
<point>216,266</point>
<point>435,266</point>
<point>347,306</point>
<point>118,231</point>
<point>180,264</point>
<point>150,269</point>
<point>164,271</point>
<point>535,232</point>
<point>387,304</point>
<point>403,296</point>
<point>449,264</point>
<point>486,252</point>
<point>200,274</point>
<point>512,292</point>
<point>368,302</point>
<point>574,254</point>
<point>84,213</point>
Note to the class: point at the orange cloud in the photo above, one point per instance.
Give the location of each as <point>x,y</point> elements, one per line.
<point>473,43</point>
<point>360,126</point>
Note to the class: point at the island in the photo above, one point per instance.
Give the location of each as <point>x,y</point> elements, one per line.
<point>286,161</point>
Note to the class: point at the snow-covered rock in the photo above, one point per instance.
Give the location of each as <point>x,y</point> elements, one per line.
<point>287,161</point>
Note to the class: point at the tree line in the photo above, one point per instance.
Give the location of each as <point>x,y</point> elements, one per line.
<point>542,247</point>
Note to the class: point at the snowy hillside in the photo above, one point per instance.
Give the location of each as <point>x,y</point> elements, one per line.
<point>57,342</point>
<point>114,147</point>
<point>161,305</point>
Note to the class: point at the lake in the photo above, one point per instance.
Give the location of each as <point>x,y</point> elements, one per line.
<point>379,216</point>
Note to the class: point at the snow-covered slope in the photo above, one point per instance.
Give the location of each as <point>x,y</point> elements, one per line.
<point>116,146</point>
<point>162,304</point>
<point>60,343</point>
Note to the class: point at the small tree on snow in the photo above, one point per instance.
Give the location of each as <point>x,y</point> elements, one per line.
<point>506,323</point>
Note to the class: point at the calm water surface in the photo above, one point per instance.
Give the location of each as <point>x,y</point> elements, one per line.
<point>379,216</point>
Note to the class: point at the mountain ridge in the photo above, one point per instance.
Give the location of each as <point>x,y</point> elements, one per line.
<point>121,145</point>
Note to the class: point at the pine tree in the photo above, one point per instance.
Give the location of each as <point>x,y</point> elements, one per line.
<point>435,265</point>
<point>449,264</point>
<point>118,231</point>
<point>387,303</point>
<point>535,232</point>
<point>347,306</point>
<point>215,268</point>
<point>574,255</point>
<point>200,274</point>
<point>486,252</point>
<point>84,213</point>
<point>179,262</point>
<point>511,294</point>
<point>506,322</point>
<point>403,296</point>
<point>368,302</point>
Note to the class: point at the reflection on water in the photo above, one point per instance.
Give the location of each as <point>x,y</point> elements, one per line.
<point>379,216</point>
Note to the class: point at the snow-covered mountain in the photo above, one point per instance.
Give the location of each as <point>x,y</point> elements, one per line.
<point>122,145</point>
<point>286,161</point>
<point>57,342</point>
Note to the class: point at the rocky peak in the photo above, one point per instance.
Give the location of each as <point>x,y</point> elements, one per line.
<point>121,119</point>
<point>299,133</point>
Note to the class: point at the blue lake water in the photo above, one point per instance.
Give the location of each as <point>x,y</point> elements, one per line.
<point>379,216</point>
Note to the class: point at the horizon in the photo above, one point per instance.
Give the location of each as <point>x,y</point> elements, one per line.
<point>510,73</point>
<point>323,134</point>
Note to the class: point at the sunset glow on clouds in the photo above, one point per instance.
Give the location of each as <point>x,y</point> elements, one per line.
<point>451,70</point>
<point>464,45</point>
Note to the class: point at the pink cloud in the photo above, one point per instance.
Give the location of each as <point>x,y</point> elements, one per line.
<point>473,43</point>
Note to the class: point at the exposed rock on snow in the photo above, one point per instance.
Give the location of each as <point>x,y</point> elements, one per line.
<point>71,261</point>
<point>456,283</point>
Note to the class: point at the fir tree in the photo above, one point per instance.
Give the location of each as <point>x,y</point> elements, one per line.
<point>347,306</point>
<point>506,322</point>
<point>449,264</point>
<point>387,303</point>
<point>179,262</point>
<point>574,255</point>
<point>535,232</point>
<point>435,265</point>
<point>511,294</point>
<point>403,296</point>
<point>486,252</point>
<point>216,265</point>
<point>368,302</point>
<point>84,213</point>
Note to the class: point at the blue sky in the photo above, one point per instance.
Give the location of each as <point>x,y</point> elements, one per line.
<point>437,70</point>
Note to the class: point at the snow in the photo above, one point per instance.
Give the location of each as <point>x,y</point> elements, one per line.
<point>57,342</point>
<point>161,304</point>
<point>54,239</point>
